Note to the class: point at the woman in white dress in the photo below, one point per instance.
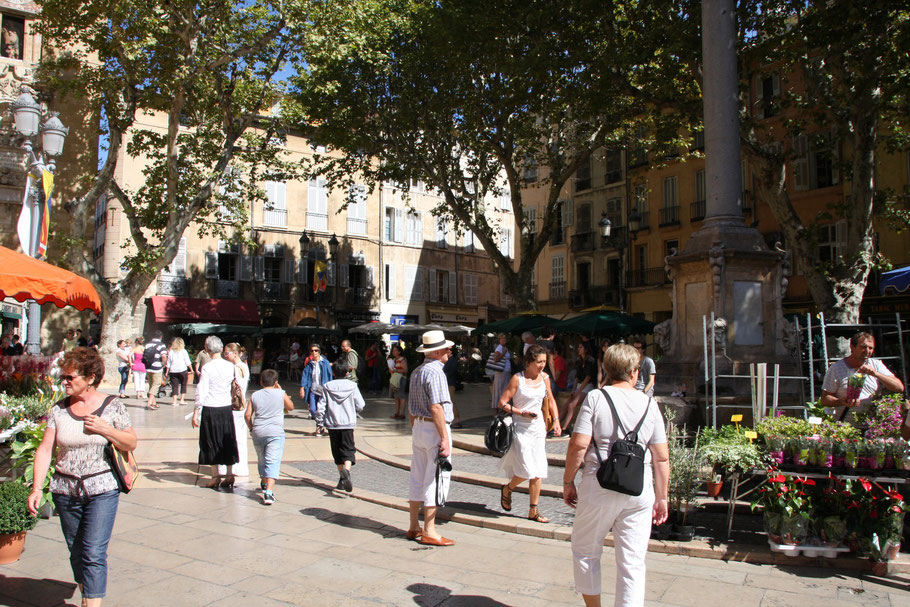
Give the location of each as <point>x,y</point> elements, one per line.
<point>529,392</point>
<point>501,378</point>
<point>233,354</point>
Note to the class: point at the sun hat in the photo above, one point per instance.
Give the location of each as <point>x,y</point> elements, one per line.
<point>434,340</point>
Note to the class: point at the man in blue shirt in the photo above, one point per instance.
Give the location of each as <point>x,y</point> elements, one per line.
<point>431,414</point>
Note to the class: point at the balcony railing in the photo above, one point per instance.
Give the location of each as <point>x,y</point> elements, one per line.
<point>618,238</point>
<point>669,216</point>
<point>227,288</point>
<point>582,183</point>
<point>594,296</point>
<point>357,226</point>
<point>557,237</point>
<point>583,242</point>
<point>358,297</point>
<point>317,221</point>
<point>697,210</point>
<point>172,285</point>
<point>275,218</point>
<point>273,291</point>
<point>644,277</point>
<point>557,290</point>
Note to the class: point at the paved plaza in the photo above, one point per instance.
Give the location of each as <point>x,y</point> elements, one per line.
<point>176,543</point>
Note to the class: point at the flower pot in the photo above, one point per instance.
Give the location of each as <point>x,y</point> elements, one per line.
<point>793,529</point>
<point>714,488</point>
<point>772,526</point>
<point>833,530</point>
<point>683,533</point>
<point>880,568</point>
<point>11,545</point>
<point>661,532</point>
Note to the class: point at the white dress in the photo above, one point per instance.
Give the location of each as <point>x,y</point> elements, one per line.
<point>242,467</point>
<point>527,458</point>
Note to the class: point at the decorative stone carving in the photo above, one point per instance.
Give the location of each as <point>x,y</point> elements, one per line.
<point>663,335</point>
<point>716,262</point>
<point>785,267</point>
<point>789,337</point>
<point>12,79</point>
<point>720,335</point>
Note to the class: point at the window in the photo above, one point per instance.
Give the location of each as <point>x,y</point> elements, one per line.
<point>670,246</point>
<point>815,161</point>
<point>13,35</point>
<point>640,196</point>
<point>441,232</point>
<point>701,193</point>
<point>767,90</point>
<point>614,167</point>
<point>178,264</point>
<point>641,254</point>
<point>505,202</point>
<point>614,211</point>
<point>394,225</point>
<point>413,283</point>
<point>470,289</point>
<point>558,267</point>
<point>670,198</point>
<point>414,228</point>
<point>229,189</point>
<point>831,241</point>
<point>584,219</point>
<point>357,210</point>
<point>317,213</point>
<point>698,140</point>
<point>530,214</point>
<point>583,176</point>
<point>638,152</point>
<point>227,266</point>
<point>470,242</point>
<point>505,242</point>
<point>390,290</point>
<point>272,268</point>
<point>276,212</point>
<point>439,286</point>
<point>529,172</point>
<point>559,228</point>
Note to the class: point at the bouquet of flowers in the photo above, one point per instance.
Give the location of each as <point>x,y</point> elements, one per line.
<point>855,386</point>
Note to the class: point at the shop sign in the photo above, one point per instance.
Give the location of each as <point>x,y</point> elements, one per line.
<point>453,317</point>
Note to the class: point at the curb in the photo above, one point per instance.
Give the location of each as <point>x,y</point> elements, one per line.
<point>465,443</point>
<point>696,549</point>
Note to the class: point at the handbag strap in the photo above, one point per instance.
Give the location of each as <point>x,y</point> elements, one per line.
<point>620,430</point>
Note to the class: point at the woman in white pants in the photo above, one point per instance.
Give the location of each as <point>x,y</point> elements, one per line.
<point>599,510</point>
<point>233,354</point>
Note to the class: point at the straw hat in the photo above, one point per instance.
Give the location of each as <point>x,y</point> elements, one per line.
<point>434,340</point>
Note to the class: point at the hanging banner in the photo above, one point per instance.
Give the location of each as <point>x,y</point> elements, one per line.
<point>45,194</point>
<point>27,230</point>
<point>319,276</point>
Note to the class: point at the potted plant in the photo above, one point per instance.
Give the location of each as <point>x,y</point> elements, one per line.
<point>15,520</point>
<point>685,466</point>
<point>727,451</point>
<point>786,508</point>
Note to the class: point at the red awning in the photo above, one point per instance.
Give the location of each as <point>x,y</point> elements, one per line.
<point>188,309</point>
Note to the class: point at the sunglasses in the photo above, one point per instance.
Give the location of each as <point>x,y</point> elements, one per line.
<point>315,350</point>
<point>69,377</point>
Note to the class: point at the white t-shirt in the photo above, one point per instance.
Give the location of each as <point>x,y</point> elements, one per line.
<point>214,389</point>
<point>596,420</point>
<point>840,372</point>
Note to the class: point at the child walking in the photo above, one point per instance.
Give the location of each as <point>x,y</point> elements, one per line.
<point>338,413</point>
<point>265,418</point>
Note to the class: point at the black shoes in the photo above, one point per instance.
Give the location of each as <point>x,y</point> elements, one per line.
<point>346,480</point>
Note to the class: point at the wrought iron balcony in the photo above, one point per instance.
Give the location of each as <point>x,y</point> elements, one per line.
<point>644,277</point>
<point>358,297</point>
<point>669,216</point>
<point>595,296</point>
<point>584,241</point>
<point>273,291</point>
<point>619,237</point>
<point>227,288</point>
<point>697,210</point>
<point>172,285</point>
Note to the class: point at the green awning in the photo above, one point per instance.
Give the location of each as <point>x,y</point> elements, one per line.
<point>207,328</point>
<point>300,331</point>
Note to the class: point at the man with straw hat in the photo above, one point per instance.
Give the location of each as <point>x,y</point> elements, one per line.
<point>431,413</point>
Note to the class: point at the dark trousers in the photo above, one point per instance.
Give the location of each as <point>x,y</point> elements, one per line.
<point>124,377</point>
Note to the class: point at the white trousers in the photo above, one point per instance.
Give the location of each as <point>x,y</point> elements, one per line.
<point>599,511</point>
<point>241,468</point>
<point>425,443</point>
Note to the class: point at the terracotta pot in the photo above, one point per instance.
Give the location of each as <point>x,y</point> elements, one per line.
<point>714,488</point>
<point>880,568</point>
<point>11,546</point>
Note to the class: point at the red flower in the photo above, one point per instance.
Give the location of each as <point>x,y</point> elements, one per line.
<point>867,486</point>
<point>780,478</point>
<point>809,482</point>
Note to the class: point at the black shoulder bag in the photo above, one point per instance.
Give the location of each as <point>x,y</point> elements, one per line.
<point>498,438</point>
<point>624,469</point>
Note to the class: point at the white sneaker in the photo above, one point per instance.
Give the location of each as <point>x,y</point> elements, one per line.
<point>268,498</point>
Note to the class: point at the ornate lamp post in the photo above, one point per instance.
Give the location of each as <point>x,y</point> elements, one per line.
<point>304,253</point>
<point>27,114</point>
<point>333,249</point>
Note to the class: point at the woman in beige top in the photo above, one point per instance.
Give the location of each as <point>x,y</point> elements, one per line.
<point>84,488</point>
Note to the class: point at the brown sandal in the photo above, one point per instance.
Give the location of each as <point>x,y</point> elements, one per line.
<point>505,500</point>
<point>534,515</point>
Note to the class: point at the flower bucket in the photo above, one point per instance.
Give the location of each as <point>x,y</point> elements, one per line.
<point>833,530</point>
<point>793,529</point>
<point>772,526</point>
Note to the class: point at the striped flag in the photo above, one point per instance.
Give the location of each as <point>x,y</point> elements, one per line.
<point>319,276</point>
<point>45,194</point>
<point>28,230</point>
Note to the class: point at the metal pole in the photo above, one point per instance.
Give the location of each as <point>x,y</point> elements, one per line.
<point>33,341</point>
<point>776,390</point>
<point>821,323</point>
<point>811,356</point>
<point>900,341</point>
<point>713,377</point>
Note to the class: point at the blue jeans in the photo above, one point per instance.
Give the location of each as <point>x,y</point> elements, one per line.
<point>315,399</point>
<point>124,377</point>
<point>375,379</point>
<point>268,455</point>
<point>87,523</point>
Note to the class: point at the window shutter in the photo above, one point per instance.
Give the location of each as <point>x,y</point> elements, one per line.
<point>398,226</point>
<point>344,275</point>
<point>800,163</point>
<point>259,268</point>
<point>759,97</point>
<point>330,274</point>
<point>410,281</point>
<point>211,264</point>
<point>288,270</point>
<point>245,266</point>
<point>453,288</point>
<point>370,278</point>
<point>390,292</point>
<point>432,289</point>
<point>419,282</point>
<point>302,267</point>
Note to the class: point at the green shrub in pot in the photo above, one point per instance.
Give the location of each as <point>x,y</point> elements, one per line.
<point>14,514</point>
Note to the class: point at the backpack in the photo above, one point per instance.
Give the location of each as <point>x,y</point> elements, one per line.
<point>624,469</point>
<point>361,364</point>
<point>149,355</point>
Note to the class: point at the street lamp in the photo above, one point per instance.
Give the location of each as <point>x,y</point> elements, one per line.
<point>27,114</point>
<point>333,249</point>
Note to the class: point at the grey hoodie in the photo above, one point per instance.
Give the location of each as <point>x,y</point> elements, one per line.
<point>338,410</point>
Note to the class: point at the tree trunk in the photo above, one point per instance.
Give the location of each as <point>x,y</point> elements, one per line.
<point>116,324</point>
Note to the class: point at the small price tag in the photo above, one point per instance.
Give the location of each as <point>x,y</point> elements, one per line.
<point>815,420</point>
<point>736,418</point>
<point>751,434</point>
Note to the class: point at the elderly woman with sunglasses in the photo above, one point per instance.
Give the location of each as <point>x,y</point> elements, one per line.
<point>317,372</point>
<point>84,488</point>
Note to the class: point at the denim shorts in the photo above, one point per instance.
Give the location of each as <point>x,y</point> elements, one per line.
<point>269,450</point>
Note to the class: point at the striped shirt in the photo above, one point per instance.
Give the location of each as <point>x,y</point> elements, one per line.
<point>429,387</point>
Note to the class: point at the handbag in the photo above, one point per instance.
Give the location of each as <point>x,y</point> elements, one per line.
<point>493,366</point>
<point>498,437</point>
<point>237,403</point>
<point>624,469</point>
<point>123,463</point>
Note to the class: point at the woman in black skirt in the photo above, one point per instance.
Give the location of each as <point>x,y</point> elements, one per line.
<point>217,439</point>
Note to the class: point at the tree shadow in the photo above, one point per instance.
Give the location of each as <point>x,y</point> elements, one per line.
<point>184,473</point>
<point>16,591</point>
<point>353,522</point>
<point>429,594</point>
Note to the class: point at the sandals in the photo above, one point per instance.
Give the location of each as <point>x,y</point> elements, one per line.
<point>505,500</point>
<point>534,515</point>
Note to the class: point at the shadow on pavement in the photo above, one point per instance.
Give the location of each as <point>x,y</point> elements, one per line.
<point>28,591</point>
<point>185,473</point>
<point>428,594</point>
<point>352,521</point>
<point>475,508</point>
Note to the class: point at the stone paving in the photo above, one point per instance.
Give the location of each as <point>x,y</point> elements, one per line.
<point>178,544</point>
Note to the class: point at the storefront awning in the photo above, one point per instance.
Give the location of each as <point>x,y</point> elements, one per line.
<point>192,310</point>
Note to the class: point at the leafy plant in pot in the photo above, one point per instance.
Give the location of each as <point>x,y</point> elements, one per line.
<point>786,507</point>
<point>685,467</point>
<point>15,520</point>
<point>726,451</point>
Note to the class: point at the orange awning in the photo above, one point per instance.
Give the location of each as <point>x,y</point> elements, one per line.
<point>23,277</point>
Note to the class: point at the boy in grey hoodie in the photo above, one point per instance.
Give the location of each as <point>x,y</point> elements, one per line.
<point>338,413</point>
